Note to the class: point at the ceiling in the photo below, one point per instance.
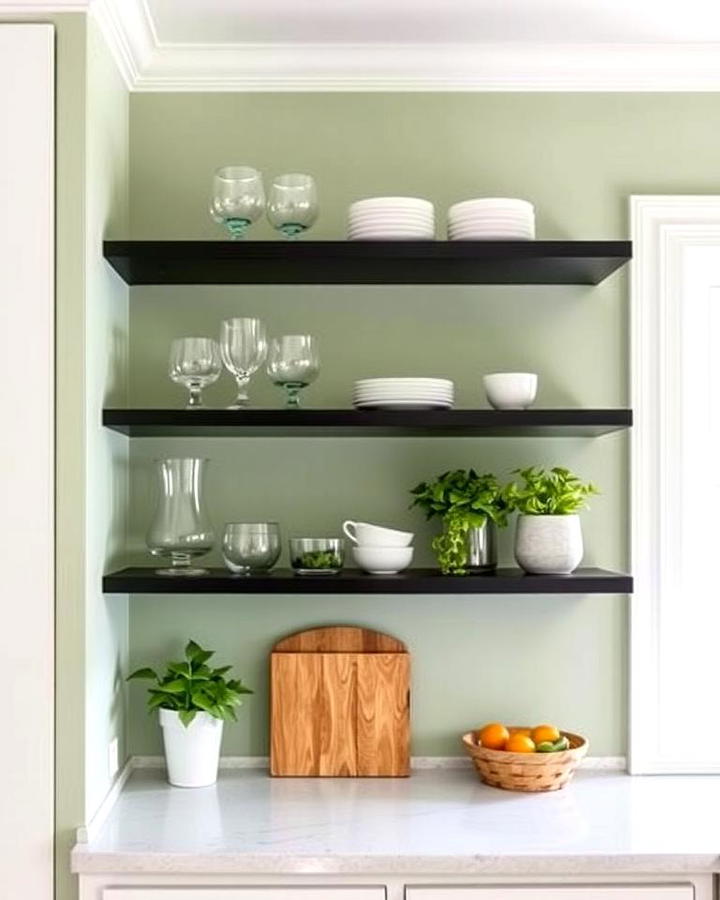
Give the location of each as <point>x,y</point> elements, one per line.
<point>434,21</point>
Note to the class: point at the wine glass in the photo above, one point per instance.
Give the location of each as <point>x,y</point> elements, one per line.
<point>293,363</point>
<point>195,363</point>
<point>238,199</point>
<point>293,204</point>
<point>243,346</point>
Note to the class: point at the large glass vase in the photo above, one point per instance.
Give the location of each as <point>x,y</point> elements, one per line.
<point>181,530</point>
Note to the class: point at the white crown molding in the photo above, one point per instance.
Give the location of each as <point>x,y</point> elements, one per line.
<point>149,64</point>
<point>431,67</point>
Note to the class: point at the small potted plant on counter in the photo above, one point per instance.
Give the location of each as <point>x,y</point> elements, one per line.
<point>194,700</point>
<point>548,536</point>
<point>471,506</point>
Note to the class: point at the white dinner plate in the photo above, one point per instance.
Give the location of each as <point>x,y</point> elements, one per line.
<point>401,404</point>
<point>407,379</point>
<point>494,203</point>
<point>407,202</point>
<point>490,217</point>
<point>391,236</point>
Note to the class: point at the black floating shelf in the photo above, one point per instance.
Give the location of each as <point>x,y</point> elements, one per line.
<point>353,581</point>
<point>366,262</point>
<point>366,423</point>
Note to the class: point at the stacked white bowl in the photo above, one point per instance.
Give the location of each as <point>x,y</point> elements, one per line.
<point>403,393</point>
<point>391,219</point>
<point>379,550</point>
<point>491,219</point>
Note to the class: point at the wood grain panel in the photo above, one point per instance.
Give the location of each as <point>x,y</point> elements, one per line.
<point>340,639</point>
<point>383,714</point>
<point>337,713</point>
<point>296,695</point>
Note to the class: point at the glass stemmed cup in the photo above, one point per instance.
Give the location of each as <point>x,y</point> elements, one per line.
<point>195,363</point>
<point>293,204</point>
<point>243,346</point>
<point>293,363</point>
<point>238,198</point>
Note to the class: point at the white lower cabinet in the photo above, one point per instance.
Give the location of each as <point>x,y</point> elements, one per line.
<point>555,892</point>
<point>244,893</point>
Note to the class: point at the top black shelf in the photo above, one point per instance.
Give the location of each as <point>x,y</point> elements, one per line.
<point>366,262</point>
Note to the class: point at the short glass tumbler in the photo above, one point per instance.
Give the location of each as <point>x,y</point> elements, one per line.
<point>293,363</point>
<point>181,529</point>
<point>251,546</point>
<point>238,199</point>
<point>293,204</point>
<point>317,556</point>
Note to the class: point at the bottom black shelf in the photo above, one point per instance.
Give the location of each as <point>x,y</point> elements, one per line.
<point>352,581</point>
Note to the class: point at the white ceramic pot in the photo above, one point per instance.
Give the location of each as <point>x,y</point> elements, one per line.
<point>548,545</point>
<point>192,754</point>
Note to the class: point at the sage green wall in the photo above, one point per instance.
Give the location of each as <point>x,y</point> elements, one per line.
<point>577,157</point>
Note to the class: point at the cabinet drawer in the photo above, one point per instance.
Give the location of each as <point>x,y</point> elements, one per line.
<point>245,893</point>
<point>556,892</point>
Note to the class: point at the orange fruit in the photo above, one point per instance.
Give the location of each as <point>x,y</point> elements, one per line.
<point>520,743</point>
<point>493,735</point>
<point>545,733</point>
<point>526,731</point>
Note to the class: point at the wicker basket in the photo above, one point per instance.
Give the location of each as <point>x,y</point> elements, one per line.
<point>526,771</point>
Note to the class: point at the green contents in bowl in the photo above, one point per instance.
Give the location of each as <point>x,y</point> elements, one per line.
<point>317,559</point>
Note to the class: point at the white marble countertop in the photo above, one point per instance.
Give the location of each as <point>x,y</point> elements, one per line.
<point>437,821</point>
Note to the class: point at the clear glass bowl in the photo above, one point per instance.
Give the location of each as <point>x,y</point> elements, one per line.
<point>317,556</point>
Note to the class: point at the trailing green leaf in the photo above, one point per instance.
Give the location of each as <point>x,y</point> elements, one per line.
<point>557,492</point>
<point>191,686</point>
<point>463,500</point>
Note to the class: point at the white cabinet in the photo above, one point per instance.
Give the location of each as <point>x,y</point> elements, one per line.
<point>555,892</point>
<point>325,892</point>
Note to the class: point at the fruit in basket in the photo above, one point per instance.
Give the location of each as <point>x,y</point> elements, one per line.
<point>520,743</point>
<point>562,743</point>
<point>494,736</point>
<point>544,733</point>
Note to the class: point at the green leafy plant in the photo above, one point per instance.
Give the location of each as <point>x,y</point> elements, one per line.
<point>557,492</point>
<point>191,686</point>
<point>463,500</point>
<point>317,559</point>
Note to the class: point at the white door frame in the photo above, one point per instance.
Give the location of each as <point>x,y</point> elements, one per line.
<point>667,232</point>
<point>27,457</point>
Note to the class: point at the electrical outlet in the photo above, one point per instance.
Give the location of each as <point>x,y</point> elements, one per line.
<point>113,757</point>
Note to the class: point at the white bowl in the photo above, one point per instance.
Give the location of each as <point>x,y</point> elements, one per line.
<point>383,560</point>
<point>367,534</point>
<point>511,390</point>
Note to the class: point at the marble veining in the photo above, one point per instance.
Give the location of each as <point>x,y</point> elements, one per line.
<point>437,821</point>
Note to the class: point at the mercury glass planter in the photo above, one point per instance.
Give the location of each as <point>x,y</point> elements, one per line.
<point>482,547</point>
<point>181,529</point>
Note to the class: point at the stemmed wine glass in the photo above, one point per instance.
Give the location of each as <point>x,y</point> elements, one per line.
<point>293,363</point>
<point>293,204</point>
<point>243,346</point>
<point>195,363</point>
<point>238,199</point>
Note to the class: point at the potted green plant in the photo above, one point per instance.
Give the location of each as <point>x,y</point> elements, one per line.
<point>194,700</point>
<point>548,535</point>
<point>471,506</point>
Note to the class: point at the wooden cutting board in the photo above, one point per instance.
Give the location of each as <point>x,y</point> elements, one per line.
<point>340,700</point>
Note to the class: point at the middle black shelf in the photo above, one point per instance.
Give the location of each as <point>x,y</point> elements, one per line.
<point>253,422</point>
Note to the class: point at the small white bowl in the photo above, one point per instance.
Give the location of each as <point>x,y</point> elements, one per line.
<point>383,560</point>
<point>511,390</point>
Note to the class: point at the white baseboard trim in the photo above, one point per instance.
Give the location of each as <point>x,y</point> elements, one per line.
<point>88,832</point>
<point>607,763</point>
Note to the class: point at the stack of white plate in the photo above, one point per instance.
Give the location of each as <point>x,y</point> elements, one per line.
<point>491,219</point>
<point>391,219</point>
<point>403,393</point>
